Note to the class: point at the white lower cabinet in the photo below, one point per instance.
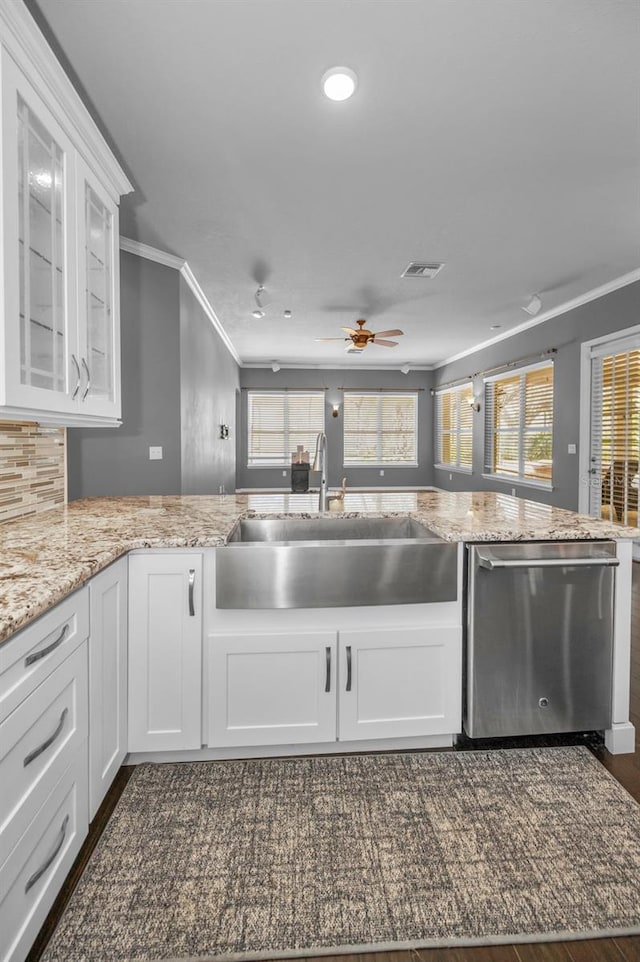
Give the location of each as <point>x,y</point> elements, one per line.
<point>286,687</point>
<point>33,873</point>
<point>399,682</point>
<point>271,689</point>
<point>107,679</point>
<point>165,651</point>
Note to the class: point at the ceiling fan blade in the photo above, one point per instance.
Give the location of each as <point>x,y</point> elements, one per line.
<point>332,338</point>
<point>395,333</point>
<point>375,340</point>
<point>349,330</point>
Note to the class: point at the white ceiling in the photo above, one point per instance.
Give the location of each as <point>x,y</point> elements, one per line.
<point>499,136</point>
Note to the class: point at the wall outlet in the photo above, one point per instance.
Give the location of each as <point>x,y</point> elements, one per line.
<point>284,474</point>
<point>155,453</point>
<point>572,449</point>
<point>382,472</point>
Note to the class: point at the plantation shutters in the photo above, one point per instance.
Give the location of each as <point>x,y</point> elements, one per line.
<point>519,424</point>
<point>380,428</point>
<point>278,421</point>
<point>454,427</point>
<point>615,428</point>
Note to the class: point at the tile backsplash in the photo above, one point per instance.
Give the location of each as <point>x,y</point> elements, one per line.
<point>32,468</point>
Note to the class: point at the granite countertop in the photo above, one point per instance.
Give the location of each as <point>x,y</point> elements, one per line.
<point>46,556</point>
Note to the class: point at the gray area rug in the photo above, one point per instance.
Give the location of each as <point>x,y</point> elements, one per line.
<point>274,857</point>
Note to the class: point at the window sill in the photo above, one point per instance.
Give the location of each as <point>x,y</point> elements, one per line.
<point>453,469</point>
<point>382,464</point>
<point>520,482</point>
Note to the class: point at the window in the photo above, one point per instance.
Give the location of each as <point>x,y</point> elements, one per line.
<point>454,427</point>
<point>519,424</point>
<point>278,421</point>
<point>380,428</point>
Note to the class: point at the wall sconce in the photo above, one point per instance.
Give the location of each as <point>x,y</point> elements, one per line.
<point>474,404</point>
<point>224,432</point>
<point>405,368</point>
<point>275,367</point>
<point>336,410</point>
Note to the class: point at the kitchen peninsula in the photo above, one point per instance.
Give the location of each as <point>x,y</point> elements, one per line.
<point>46,556</point>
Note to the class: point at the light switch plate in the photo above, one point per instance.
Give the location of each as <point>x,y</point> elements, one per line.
<point>571,449</point>
<point>155,453</point>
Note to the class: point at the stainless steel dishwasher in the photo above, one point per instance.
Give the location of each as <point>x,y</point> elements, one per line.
<point>539,644</point>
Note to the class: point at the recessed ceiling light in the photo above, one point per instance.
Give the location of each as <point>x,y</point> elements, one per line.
<point>496,327</point>
<point>339,83</point>
<point>287,314</point>
<point>258,313</point>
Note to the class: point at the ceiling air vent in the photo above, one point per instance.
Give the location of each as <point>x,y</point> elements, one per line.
<point>422,270</point>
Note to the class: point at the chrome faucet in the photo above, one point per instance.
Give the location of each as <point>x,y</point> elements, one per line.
<point>320,464</point>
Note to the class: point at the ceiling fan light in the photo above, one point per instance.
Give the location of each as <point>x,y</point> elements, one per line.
<point>339,83</point>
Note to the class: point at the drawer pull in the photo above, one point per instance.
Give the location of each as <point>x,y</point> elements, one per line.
<point>37,655</point>
<point>31,757</point>
<point>192,582</point>
<point>43,868</point>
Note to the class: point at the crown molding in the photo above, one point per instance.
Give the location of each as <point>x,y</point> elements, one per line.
<point>22,39</point>
<point>623,281</point>
<point>292,366</point>
<point>179,264</point>
<point>151,253</point>
<point>201,297</point>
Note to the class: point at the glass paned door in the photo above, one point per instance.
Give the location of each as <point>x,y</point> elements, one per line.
<point>615,436</point>
<point>41,254</point>
<point>98,288</point>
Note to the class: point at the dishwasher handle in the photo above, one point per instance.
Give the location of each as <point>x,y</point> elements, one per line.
<point>491,563</point>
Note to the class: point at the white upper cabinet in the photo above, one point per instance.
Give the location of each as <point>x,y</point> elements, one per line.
<point>60,329</point>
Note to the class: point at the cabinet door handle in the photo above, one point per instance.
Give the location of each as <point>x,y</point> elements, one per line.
<point>31,757</point>
<point>192,582</point>
<point>348,667</point>
<point>37,655</point>
<point>77,387</point>
<point>43,868</point>
<point>327,683</point>
<point>88,384</point>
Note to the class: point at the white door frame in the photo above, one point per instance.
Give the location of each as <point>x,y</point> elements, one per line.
<point>584,449</point>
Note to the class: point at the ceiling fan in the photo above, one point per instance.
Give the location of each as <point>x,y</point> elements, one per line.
<point>360,338</point>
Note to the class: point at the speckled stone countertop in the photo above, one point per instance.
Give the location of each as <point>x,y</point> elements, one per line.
<point>46,556</point>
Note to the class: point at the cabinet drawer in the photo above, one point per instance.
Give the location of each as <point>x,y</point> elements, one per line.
<point>36,743</point>
<point>34,872</point>
<point>27,659</point>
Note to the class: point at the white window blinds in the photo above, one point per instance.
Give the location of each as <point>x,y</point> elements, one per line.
<point>615,430</point>
<point>454,427</point>
<point>380,428</point>
<point>278,421</point>
<point>519,424</point>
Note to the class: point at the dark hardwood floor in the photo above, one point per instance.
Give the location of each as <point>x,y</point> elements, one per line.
<point>626,768</point>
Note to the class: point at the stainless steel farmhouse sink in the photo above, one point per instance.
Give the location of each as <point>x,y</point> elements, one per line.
<point>334,562</point>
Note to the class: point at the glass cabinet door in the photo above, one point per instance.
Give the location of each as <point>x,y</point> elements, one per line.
<point>98,287</point>
<point>41,254</point>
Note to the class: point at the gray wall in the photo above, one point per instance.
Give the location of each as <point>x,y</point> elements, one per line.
<point>178,383</point>
<point>611,313</point>
<point>209,384</point>
<point>115,461</point>
<point>333,380</point>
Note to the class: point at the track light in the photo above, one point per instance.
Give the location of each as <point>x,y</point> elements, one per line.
<point>261,300</point>
<point>533,307</point>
